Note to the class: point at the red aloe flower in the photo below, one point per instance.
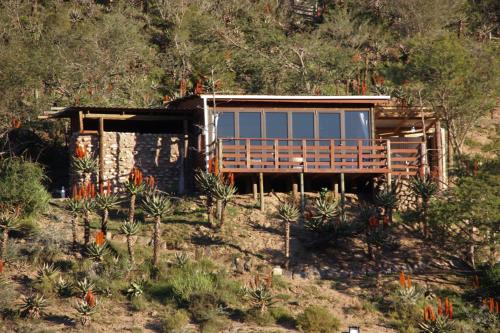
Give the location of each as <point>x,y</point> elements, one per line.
<point>99,238</point>
<point>492,302</point>
<point>1,266</point>
<point>446,306</point>
<point>497,307</point>
<point>440,307</point>
<point>408,282</point>
<point>109,187</point>
<point>450,311</point>
<point>80,151</point>
<point>402,279</point>
<point>90,298</point>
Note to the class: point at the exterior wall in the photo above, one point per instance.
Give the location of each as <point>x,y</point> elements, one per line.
<point>158,155</point>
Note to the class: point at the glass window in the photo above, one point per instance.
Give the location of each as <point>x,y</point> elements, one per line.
<point>250,125</point>
<point>225,125</point>
<point>303,125</point>
<point>357,125</point>
<point>329,125</point>
<point>277,125</point>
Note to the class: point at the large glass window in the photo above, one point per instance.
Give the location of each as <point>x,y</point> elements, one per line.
<point>329,125</point>
<point>277,125</point>
<point>250,125</point>
<point>303,125</point>
<point>357,125</point>
<point>225,125</point>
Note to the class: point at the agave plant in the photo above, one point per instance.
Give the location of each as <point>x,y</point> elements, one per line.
<point>104,203</point>
<point>85,311</point>
<point>288,213</point>
<point>440,325</point>
<point>97,252</point>
<point>84,286</point>
<point>8,223</point>
<point>75,208</point>
<point>129,229</point>
<point>260,297</point>
<point>33,306</point>
<point>135,289</point>
<point>87,204</point>
<point>207,182</point>
<point>325,212</point>
<point>64,287</point>
<point>424,189</point>
<point>181,259</point>
<point>388,199</point>
<point>156,205</point>
<point>223,194</point>
<point>47,272</point>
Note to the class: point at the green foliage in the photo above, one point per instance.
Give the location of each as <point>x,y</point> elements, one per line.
<point>175,321</point>
<point>260,297</point>
<point>129,228</point>
<point>97,252</point>
<point>317,319</point>
<point>84,286</point>
<point>288,212</point>
<point>85,311</point>
<point>64,287</point>
<point>135,289</point>
<point>106,201</point>
<point>156,204</point>
<point>440,325</point>
<point>283,317</point>
<point>325,210</point>
<point>84,165</point>
<point>21,186</point>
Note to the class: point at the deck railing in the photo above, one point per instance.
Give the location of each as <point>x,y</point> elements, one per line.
<point>249,155</point>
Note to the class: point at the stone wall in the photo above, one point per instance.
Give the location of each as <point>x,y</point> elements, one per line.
<point>158,155</point>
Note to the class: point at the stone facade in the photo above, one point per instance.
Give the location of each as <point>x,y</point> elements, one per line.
<point>158,155</point>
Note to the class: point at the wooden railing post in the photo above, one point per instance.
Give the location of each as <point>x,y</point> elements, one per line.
<point>360,154</point>
<point>276,153</point>
<point>423,160</point>
<point>304,154</point>
<point>247,152</point>
<point>332,154</point>
<point>219,155</point>
<point>389,164</point>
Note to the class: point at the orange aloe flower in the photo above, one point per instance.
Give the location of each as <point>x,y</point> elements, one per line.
<point>90,298</point>
<point>450,311</point>
<point>497,307</point>
<point>408,282</point>
<point>1,266</point>
<point>99,238</point>
<point>402,279</point>
<point>446,306</point>
<point>492,302</point>
<point>80,151</point>
<point>440,307</point>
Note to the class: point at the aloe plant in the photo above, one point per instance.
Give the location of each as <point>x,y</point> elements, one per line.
<point>156,205</point>
<point>84,286</point>
<point>47,271</point>
<point>129,229</point>
<point>288,213</point>
<point>105,202</point>
<point>223,194</point>
<point>424,189</point>
<point>135,289</point>
<point>325,212</point>
<point>260,296</point>
<point>440,325</point>
<point>75,208</point>
<point>97,252</point>
<point>388,199</point>
<point>33,306</point>
<point>207,182</point>
<point>85,166</point>
<point>85,311</point>
<point>134,186</point>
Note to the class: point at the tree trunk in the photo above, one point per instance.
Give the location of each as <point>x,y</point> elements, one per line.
<point>426,223</point>
<point>131,211</point>
<point>73,232</point>
<point>472,254</point>
<point>156,241</point>
<point>104,222</point>
<point>210,212</point>
<point>5,239</point>
<point>86,227</point>
<point>287,244</point>
<point>222,214</point>
<point>219,210</point>
<point>130,250</point>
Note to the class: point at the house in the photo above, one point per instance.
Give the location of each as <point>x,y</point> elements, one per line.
<point>280,142</point>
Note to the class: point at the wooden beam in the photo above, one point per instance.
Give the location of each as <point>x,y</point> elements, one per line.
<point>131,117</point>
<point>439,153</point>
<point>80,122</point>
<point>261,187</point>
<point>302,196</point>
<point>389,164</point>
<point>101,152</point>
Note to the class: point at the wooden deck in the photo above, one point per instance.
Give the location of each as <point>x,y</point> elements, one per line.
<point>251,155</point>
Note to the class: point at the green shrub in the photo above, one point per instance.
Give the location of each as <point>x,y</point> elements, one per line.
<point>317,319</point>
<point>204,307</point>
<point>174,321</point>
<point>21,185</point>
<point>214,325</point>
<point>283,317</point>
<point>260,318</point>
<point>138,304</point>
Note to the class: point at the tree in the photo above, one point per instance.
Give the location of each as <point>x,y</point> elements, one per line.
<point>74,207</point>
<point>207,182</point>
<point>468,214</point>
<point>156,205</point>
<point>134,186</point>
<point>223,193</point>
<point>288,213</point>
<point>105,201</point>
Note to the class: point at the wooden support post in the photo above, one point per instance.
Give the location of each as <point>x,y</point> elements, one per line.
<point>304,154</point>
<point>101,152</point>
<point>219,156</point>
<point>254,189</point>
<point>183,157</point>
<point>261,188</point>
<point>276,154</point>
<point>80,122</point>
<point>247,151</point>
<point>360,154</point>
<point>389,164</point>
<point>295,188</point>
<point>336,190</point>
<point>423,160</point>
<point>332,154</point>
<point>342,197</point>
<point>302,197</point>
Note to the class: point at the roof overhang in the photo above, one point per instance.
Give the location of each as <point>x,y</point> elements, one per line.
<point>297,99</point>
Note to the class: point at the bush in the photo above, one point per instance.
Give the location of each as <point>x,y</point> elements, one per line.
<point>261,318</point>
<point>317,319</point>
<point>204,307</point>
<point>175,321</point>
<point>138,304</point>
<point>21,185</point>
<point>214,325</point>
<point>283,317</point>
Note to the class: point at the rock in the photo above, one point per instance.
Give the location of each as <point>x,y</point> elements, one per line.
<point>277,271</point>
